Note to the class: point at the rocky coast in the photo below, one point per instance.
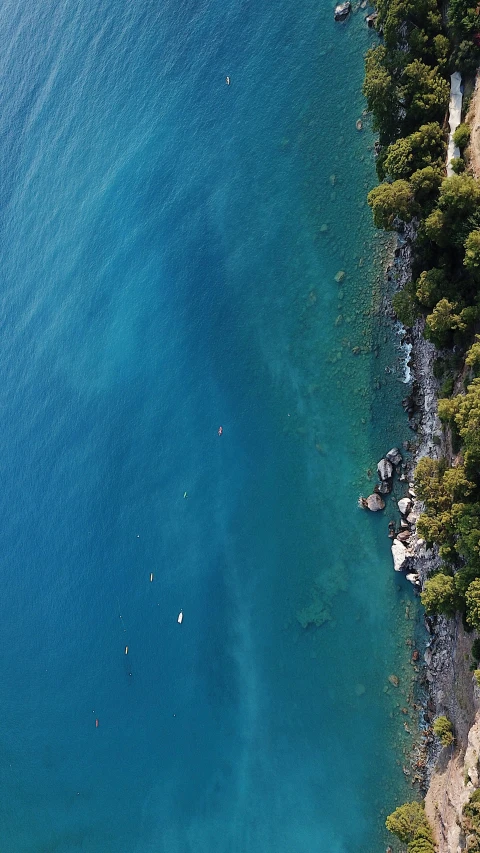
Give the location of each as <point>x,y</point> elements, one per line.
<point>448,775</point>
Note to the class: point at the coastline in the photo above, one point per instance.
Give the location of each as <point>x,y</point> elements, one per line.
<point>448,776</point>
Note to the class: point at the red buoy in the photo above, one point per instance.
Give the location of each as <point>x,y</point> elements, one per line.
<point>96,724</point>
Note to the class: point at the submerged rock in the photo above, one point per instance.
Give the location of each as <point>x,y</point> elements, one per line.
<point>383,488</point>
<point>342,11</point>
<point>394,456</point>
<point>385,469</point>
<point>394,679</point>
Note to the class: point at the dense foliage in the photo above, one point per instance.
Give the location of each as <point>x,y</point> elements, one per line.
<point>471,823</point>
<point>409,823</point>
<point>407,90</point>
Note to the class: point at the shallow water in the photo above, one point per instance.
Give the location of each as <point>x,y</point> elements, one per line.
<point>169,246</point>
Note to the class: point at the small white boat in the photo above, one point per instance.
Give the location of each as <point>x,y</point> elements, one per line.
<point>180,617</point>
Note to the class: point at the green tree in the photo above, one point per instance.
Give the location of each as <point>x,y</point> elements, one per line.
<point>425,147</point>
<point>425,184</point>
<point>458,165</point>
<point>461,137</point>
<point>431,286</point>
<point>391,202</point>
<point>468,423</point>
<point>472,358</point>
<point>423,92</point>
<point>472,251</point>
<point>443,320</point>
<point>472,601</point>
<point>439,595</point>
<point>407,821</point>
<point>380,92</point>
<point>459,199</point>
<point>443,729</point>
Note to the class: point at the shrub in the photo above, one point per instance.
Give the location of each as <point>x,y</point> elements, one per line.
<point>458,165</point>
<point>472,600</point>
<point>439,595</point>
<point>461,137</point>
<point>476,649</point>
<point>472,251</point>
<point>443,729</point>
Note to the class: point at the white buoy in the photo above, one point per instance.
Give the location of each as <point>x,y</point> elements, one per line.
<point>180,617</point>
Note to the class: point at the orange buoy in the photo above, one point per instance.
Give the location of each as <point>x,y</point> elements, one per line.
<point>96,724</point>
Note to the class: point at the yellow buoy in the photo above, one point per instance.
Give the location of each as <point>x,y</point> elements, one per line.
<point>126,650</point>
<point>151,577</point>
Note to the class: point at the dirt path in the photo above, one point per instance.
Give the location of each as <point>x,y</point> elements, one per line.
<point>473,119</point>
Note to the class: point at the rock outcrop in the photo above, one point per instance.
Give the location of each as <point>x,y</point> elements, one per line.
<point>385,469</point>
<point>342,11</point>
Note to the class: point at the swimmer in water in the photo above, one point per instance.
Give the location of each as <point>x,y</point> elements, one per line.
<point>227,80</point>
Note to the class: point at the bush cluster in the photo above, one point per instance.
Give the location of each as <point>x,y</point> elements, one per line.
<point>452,507</point>
<point>443,729</point>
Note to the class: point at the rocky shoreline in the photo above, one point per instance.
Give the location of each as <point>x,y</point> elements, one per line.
<point>447,776</point>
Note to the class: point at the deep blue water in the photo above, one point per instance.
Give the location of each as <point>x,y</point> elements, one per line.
<point>164,271</point>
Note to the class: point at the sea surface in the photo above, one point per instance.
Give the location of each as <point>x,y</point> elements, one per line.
<point>168,252</point>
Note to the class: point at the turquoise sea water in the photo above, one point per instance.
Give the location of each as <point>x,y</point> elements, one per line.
<point>168,254</point>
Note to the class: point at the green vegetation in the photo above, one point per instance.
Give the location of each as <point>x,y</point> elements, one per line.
<point>443,729</point>
<point>409,823</point>
<point>461,137</point>
<point>407,89</point>
<point>471,822</point>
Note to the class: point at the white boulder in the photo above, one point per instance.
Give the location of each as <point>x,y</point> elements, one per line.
<point>404,505</point>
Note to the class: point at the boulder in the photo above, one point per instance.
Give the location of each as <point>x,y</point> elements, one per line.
<point>415,580</point>
<point>375,503</point>
<point>385,469</point>
<point>404,536</point>
<point>342,11</point>
<point>405,505</point>
<point>394,679</point>
<point>383,488</point>
<point>399,554</point>
<point>370,19</point>
<point>394,456</point>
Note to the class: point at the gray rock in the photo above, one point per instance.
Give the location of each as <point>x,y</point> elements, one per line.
<point>404,505</point>
<point>385,469</point>
<point>404,536</point>
<point>399,554</point>
<point>394,456</point>
<point>413,578</point>
<point>342,11</point>
<point>383,488</point>
<point>375,503</point>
